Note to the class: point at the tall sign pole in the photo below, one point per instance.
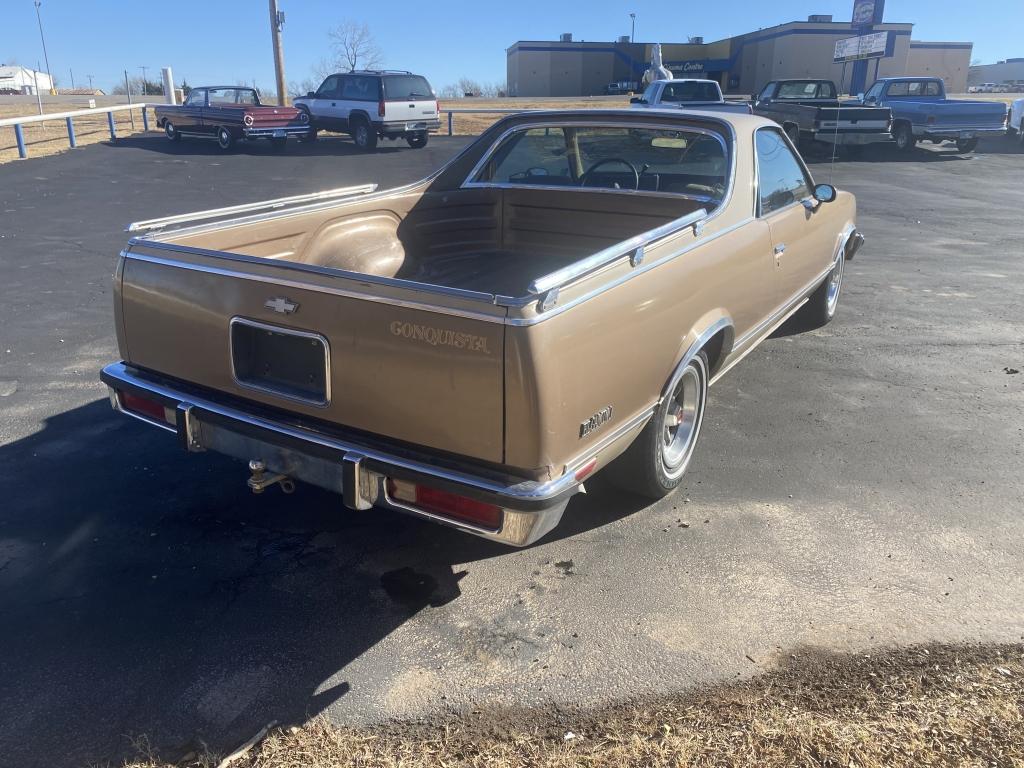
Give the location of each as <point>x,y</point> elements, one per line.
<point>276,22</point>
<point>46,57</point>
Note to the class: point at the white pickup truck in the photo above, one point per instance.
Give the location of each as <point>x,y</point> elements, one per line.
<point>703,95</point>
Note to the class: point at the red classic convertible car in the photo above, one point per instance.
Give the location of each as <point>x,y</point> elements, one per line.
<point>230,113</point>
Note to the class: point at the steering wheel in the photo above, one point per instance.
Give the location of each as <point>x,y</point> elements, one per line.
<point>609,161</point>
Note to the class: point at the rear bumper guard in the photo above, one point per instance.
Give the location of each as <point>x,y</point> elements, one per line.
<point>357,471</point>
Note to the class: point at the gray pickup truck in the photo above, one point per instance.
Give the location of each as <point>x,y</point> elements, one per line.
<point>703,95</point>
<point>810,110</point>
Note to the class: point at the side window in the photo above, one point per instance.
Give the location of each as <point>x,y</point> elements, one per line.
<point>900,88</point>
<point>932,89</point>
<point>874,92</point>
<point>650,93</point>
<point>359,88</point>
<point>767,92</point>
<point>329,88</point>
<point>780,177</point>
<point>196,99</point>
<point>826,91</point>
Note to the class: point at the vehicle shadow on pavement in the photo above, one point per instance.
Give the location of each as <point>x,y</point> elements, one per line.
<point>922,153</point>
<point>334,146</point>
<point>145,590</point>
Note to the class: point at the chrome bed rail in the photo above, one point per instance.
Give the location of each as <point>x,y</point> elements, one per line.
<point>264,205</point>
<point>633,245</point>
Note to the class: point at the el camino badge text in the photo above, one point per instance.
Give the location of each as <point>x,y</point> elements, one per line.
<point>444,337</point>
<point>599,419</point>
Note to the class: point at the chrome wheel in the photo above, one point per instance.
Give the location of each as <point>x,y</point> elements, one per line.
<point>170,131</point>
<point>224,139</point>
<point>682,418</point>
<point>835,284</point>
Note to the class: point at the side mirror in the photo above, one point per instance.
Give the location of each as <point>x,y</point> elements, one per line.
<point>310,95</point>
<point>637,100</point>
<point>825,193</point>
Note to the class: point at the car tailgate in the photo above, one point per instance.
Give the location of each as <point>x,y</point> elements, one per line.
<point>417,367</point>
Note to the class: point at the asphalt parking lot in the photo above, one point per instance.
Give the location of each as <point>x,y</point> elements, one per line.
<point>856,486</point>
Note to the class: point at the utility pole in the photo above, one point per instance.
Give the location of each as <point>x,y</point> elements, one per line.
<point>145,83</point>
<point>90,82</point>
<point>46,58</point>
<point>72,73</point>
<point>632,27</point>
<point>276,22</point>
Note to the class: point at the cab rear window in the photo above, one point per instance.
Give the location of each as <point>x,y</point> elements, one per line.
<point>407,88</point>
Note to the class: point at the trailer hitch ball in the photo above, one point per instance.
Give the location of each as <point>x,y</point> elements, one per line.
<point>259,480</point>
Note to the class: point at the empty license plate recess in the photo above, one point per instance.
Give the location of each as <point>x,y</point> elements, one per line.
<point>281,361</point>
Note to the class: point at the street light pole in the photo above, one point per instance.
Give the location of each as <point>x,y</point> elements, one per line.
<point>145,83</point>
<point>46,58</point>
<point>632,27</point>
<point>276,22</point>
<point>90,82</point>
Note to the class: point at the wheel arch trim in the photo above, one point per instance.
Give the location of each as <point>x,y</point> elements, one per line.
<point>711,327</point>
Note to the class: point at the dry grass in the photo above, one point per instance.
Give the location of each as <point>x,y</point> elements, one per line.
<point>51,137</point>
<point>923,706</point>
<point>471,125</point>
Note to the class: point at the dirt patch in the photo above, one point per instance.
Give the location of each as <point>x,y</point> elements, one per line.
<point>930,705</point>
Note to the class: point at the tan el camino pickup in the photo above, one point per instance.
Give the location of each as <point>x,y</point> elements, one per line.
<point>470,348</point>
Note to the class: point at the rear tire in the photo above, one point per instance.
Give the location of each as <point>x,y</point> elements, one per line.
<point>224,139</point>
<point>966,145</point>
<point>171,132</point>
<point>793,132</point>
<point>821,306</point>
<point>364,136</point>
<point>654,465</point>
<point>417,141</point>
<point>904,136</point>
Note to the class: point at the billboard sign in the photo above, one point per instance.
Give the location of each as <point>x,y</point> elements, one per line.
<point>864,47</point>
<point>867,12</point>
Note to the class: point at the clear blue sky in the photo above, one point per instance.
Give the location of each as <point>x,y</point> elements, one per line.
<point>228,40</point>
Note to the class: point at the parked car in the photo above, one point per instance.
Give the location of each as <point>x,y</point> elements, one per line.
<point>620,88</point>
<point>705,95</point>
<point>473,347</point>
<point>982,88</point>
<point>374,104</point>
<point>921,111</point>
<point>228,113</point>
<point>810,110</point>
<point>1016,119</point>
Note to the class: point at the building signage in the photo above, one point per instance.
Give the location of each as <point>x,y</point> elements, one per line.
<point>867,12</point>
<point>864,47</point>
<point>697,66</point>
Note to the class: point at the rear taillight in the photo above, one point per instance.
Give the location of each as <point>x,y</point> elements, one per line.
<point>446,504</point>
<point>437,107</point>
<point>380,108</point>
<point>143,406</point>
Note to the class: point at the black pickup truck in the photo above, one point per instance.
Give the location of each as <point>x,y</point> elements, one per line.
<point>810,110</point>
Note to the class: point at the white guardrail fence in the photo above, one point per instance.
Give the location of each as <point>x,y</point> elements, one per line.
<point>68,118</point>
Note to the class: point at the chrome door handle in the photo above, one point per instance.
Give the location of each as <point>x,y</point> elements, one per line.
<point>780,249</point>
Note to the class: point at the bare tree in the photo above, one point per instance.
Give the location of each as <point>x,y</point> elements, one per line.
<point>355,47</point>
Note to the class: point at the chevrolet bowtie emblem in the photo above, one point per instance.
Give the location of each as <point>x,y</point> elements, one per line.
<point>281,304</point>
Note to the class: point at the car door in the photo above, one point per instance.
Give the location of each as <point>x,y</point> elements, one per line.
<point>325,104</point>
<point>192,112</point>
<point>802,249</point>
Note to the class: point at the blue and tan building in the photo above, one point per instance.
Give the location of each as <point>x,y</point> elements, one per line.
<point>740,64</point>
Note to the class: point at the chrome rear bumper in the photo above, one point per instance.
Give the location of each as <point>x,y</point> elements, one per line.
<point>355,469</point>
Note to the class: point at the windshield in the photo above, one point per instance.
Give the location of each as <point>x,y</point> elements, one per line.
<point>681,162</point>
<point>233,96</point>
<point>692,90</point>
<point>406,88</point>
<point>806,90</point>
